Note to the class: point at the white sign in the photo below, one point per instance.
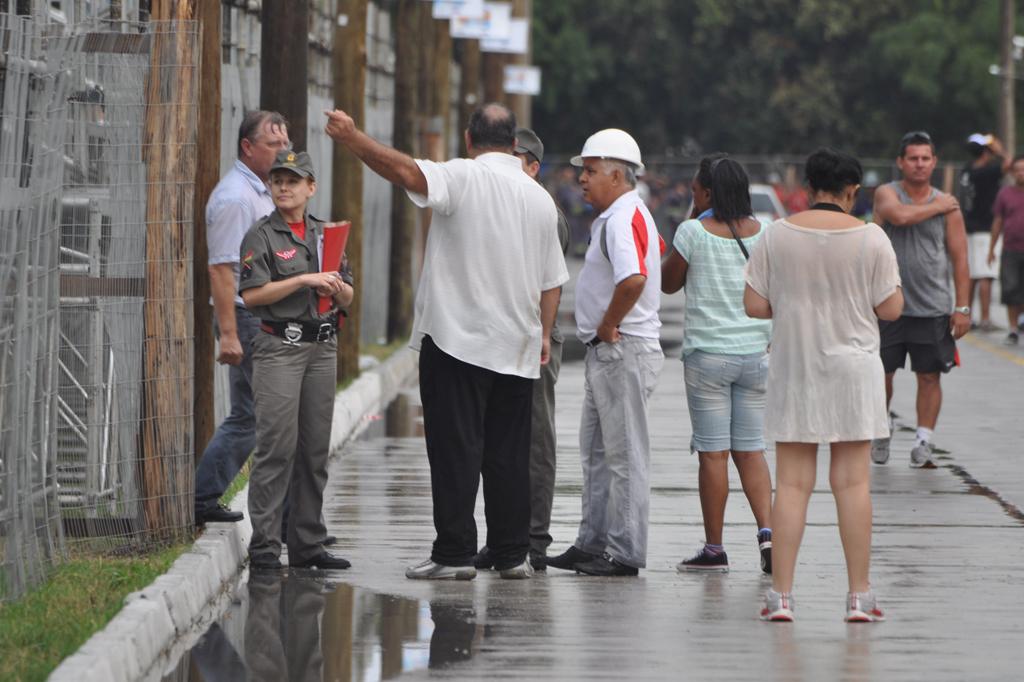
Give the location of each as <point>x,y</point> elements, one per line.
<point>517,42</point>
<point>522,80</point>
<point>494,23</point>
<point>446,9</point>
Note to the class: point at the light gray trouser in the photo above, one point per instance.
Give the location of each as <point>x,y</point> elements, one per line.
<point>542,451</point>
<point>293,392</point>
<point>615,448</point>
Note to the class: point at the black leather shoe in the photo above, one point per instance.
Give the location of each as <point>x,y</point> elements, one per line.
<point>538,561</point>
<point>568,559</point>
<point>329,540</point>
<point>483,559</point>
<point>265,562</point>
<point>219,514</point>
<point>323,560</point>
<point>607,566</point>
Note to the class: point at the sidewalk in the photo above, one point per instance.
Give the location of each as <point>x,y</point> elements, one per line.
<point>948,563</point>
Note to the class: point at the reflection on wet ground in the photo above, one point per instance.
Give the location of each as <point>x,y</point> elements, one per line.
<point>297,627</point>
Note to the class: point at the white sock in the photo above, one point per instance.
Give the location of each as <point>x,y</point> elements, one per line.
<point>923,435</point>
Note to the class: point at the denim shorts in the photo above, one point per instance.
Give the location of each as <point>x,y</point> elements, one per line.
<point>726,396</point>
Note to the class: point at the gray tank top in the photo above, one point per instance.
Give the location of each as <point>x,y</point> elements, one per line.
<point>924,264</point>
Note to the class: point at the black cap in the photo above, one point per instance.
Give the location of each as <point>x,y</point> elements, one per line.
<point>527,142</point>
<point>296,162</point>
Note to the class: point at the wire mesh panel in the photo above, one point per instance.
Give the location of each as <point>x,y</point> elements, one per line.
<point>125,420</point>
<point>33,87</point>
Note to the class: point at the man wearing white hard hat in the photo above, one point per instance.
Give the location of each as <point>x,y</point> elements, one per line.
<point>617,298</point>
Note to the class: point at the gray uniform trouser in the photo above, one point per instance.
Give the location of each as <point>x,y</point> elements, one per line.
<point>293,391</point>
<point>615,448</point>
<point>542,451</point>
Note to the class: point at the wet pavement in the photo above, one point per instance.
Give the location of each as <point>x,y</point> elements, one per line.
<point>948,566</point>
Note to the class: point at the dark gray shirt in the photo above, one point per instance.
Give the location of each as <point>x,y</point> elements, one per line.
<point>923,260</point>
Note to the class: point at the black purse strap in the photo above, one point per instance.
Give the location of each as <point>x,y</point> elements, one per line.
<point>743,248</point>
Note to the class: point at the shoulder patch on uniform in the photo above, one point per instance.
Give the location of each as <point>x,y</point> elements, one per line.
<point>286,254</point>
<point>247,260</point>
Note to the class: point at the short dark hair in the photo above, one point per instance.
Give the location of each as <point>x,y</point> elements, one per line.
<point>730,190</point>
<point>492,126</point>
<point>704,168</point>
<point>830,170</point>
<point>915,137</point>
<point>253,121</point>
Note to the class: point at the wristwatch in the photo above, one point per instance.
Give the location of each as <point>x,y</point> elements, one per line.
<point>963,310</point>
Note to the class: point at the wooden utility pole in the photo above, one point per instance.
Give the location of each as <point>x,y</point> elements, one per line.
<point>207,175</point>
<point>1007,112</point>
<point>284,56</point>
<point>469,86</point>
<point>494,77</point>
<point>349,70</point>
<point>169,139</point>
<point>521,104</point>
<point>403,213</point>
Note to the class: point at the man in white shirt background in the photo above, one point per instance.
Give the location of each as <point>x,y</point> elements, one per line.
<point>618,294</point>
<point>485,306</point>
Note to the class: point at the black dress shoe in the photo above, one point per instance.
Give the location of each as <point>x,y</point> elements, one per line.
<point>323,560</point>
<point>605,565</point>
<point>265,562</point>
<point>219,514</point>
<point>538,561</point>
<point>329,540</point>
<point>568,559</point>
<point>483,559</point>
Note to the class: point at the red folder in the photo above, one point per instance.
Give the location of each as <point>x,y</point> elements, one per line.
<point>335,237</point>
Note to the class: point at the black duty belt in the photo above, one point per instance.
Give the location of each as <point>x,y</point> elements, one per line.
<point>593,342</point>
<point>298,332</point>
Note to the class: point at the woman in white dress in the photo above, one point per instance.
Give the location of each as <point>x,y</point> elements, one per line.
<point>824,278</point>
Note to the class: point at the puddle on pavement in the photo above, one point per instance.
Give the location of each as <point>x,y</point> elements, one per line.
<point>289,627</point>
<point>402,418</point>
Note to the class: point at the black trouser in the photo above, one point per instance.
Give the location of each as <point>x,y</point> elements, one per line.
<point>476,421</point>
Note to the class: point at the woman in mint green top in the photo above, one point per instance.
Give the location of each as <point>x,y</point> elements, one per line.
<point>724,354</point>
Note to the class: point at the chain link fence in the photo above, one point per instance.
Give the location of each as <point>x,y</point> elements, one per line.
<point>97,156</point>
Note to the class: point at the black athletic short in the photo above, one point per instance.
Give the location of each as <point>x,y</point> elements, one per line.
<point>928,341</point>
<point>1011,277</point>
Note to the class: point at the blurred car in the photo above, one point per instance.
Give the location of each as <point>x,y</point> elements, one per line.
<point>765,203</point>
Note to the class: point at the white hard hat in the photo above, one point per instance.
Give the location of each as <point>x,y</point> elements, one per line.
<point>611,143</point>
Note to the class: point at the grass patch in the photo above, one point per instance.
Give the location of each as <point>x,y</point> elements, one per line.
<point>241,480</point>
<point>383,351</point>
<point>51,622</point>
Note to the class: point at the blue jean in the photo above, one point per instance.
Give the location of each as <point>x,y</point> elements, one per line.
<point>236,436</point>
<point>726,397</point>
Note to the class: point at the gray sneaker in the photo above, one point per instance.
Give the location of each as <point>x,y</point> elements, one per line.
<point>520,572</point>
<point>921,457</point>
<point>778,607</point>
<point>430,570</point>
<point>880,450</point>
<point>862,607</point>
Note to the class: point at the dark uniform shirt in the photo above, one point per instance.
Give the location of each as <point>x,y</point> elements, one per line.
<point>978,189</point>
<point>270,253</point>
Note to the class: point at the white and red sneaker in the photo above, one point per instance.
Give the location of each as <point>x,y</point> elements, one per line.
<point>778,607</point>
<point>862,607</point>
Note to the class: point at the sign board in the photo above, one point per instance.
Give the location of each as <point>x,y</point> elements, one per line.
<point>517,42</point>
<point>493,24</point>
<point>522,80</point>
<point>446,9</point>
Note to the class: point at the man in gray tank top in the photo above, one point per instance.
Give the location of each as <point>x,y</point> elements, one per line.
<point>927,232</point>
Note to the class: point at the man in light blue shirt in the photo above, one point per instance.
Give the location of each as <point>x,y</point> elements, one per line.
<point>239,200</point>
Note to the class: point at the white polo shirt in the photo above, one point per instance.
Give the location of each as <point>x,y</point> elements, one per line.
<point>491,250</point>
<point>634,247</point>
<point>236,203</point>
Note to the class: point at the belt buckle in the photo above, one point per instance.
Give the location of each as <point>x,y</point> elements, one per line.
<point>325,332</point>
<point>292,334</point>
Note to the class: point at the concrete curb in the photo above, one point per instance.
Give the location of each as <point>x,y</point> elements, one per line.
<point>137,643</point>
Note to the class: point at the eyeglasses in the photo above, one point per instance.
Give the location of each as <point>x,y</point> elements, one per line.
<point>916,136</point>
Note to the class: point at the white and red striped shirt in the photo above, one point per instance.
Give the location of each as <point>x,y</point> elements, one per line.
<point>634,247</point>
